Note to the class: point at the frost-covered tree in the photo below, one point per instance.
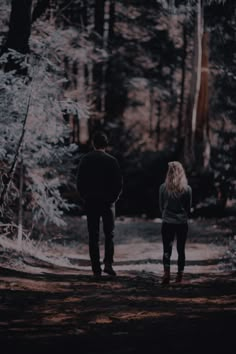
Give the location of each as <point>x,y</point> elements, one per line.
<point>36,160</point>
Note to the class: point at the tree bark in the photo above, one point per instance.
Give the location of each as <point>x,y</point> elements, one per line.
<point>20,26</point>
<point>82,122</point>
<point>183,67</point>
<point>97,68</point>
<point>202,143</point>
<point>39,9</point>
<point>158,124</point>
<point>191,108</point>
<point>99,17</point>
<point>151,109</point>
<point>16,157</point>
<point>20,212</point>
<point>104,65</point>
<point>111,20</point>
<point>198,46</point>
<point>84,14</point>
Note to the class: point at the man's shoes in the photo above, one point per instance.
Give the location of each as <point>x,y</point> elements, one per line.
<point>109,270</point>
<point>97,275</point>
<point>179,277</point>
<point>166,277</point>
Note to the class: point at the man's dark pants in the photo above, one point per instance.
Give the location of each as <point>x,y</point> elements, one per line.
<point>168,234</point>
<point>96,209</point>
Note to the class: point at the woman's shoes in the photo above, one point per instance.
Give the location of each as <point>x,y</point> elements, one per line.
<point>166,277</point>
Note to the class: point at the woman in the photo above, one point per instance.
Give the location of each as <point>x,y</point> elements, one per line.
<point>175,199</point>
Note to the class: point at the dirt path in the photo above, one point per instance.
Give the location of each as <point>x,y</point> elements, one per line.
<point>52,304</point>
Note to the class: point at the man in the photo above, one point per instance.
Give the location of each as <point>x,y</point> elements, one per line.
<point>99,183</point>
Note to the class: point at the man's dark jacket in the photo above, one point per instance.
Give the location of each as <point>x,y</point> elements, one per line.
<point>99,177</point>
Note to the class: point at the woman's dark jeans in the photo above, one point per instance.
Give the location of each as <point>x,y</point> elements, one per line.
<point>96,210</point>
<point>169,231</point>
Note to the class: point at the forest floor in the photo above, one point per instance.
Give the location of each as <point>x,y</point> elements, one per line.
<point>49,301</point>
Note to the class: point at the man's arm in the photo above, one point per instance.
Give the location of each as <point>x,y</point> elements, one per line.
<point>81,178</point>
<point>189,200</point>
<point>117,183</point>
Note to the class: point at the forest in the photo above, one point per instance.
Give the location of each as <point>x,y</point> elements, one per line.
<point>159,78</point>
<point>161,92</point>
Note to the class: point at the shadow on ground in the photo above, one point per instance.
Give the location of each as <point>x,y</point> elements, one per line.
<point>51,307</point>
<point>128,314</point>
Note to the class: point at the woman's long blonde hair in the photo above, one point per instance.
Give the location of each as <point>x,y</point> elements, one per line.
<point>176,181</point>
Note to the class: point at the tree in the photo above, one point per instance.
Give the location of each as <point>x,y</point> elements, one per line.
<point>221,20</point>
<point>202,139</point>
<point>192,103</point>
<point>33,153</point>
<point>39,9</point>
<point>20,26</point>
<point>197,143</point>
<point>182,94</point>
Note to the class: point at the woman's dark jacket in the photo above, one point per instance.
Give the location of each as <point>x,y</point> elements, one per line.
<point>175,209</point>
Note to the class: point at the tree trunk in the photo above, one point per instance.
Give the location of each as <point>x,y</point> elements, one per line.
<point>202,144</point>
<point>20,212</point>
<point>105,47</point>
<point>100,69</point>
<point>183,67</point>
<point>111,20</point>
<point>151,109</point>
<point>89,92</point>
<point>191,109</point>
<point>16,157</point>
<point>198,67</point>
<point>20,26</point>
<point>71,125</point>
<point>99,17</point>
<point>158,124</point>
<point>39,9</point>
<point>85,14</point>
<point>97,69</point>
<point>82,123</point>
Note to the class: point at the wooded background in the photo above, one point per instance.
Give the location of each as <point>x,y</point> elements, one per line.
<point>158,76</point>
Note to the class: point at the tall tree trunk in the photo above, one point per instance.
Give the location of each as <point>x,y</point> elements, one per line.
<point>54,7</point>
<point>108,43</point>
<point>20,212</point>
<point>89,93</point>
<point>72,128</point>
<point>183,67</point>
<point>39,9</point>
<point>104,26</point>
<point>158,124</point>
<point>198,43</point>
<point>202,143</point>
<point>97,69</point>
<point>20,26</point>
<point>191,109</point>
<point>111,20</point>
<point>104,68</point>
<point>151,109</point>
<point>85,14</point>
<point>82,123</point>
<point>99,17</point>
